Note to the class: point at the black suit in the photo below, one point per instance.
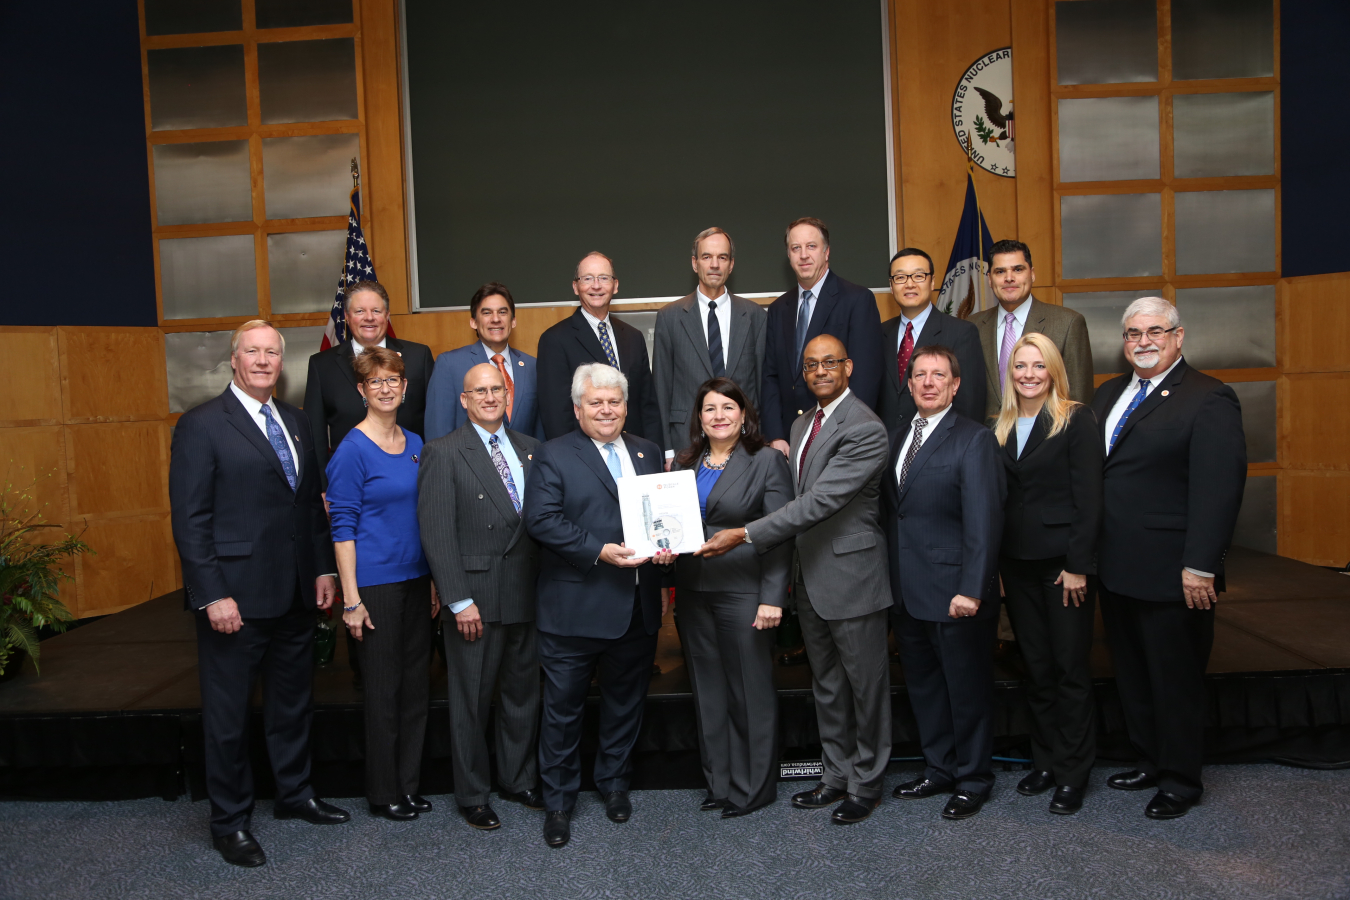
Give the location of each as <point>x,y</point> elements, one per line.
<point>895,406</point>
<point>1172,487</point>
<point>242,532</point>
<point>1050,525</point>
<point>843,309</point>
<point>571,343</point>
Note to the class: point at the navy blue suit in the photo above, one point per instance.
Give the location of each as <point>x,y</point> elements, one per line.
<point>590,614</point>
<point>444,411</point>
<point>944,529</point>
<point>843,309</point>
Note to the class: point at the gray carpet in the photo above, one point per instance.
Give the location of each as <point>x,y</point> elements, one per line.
<point>1262,832</point>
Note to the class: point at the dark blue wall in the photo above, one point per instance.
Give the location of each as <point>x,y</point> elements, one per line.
<point>76,200</point>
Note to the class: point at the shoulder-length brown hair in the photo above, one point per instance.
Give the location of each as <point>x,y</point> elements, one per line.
<point>751,439</point>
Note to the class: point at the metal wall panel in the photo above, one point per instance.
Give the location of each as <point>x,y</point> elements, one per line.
<point>1109,138</point>
<point>1102,310</point>
<point>1223,39</point>
<point>1258,418</point>
<point>308,176</point>
<point>1256,522</point>
<point>303,269</point>
<point>301,343</point>
<point>205,182</point>
<point>1223,134</point>
<point>197,87</point>
<point>1106,41</point>
<point>307,81</point>
<point>1111,235</point>
<point>207,277</point>
<point>1225,231</point>
<point>193,17</point>
<point>198,365</point>
<point>1228,327</point>
<point>291,13</point>
<point>644,322</point>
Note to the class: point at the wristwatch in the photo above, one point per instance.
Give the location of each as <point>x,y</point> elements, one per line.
<point>746,533</point>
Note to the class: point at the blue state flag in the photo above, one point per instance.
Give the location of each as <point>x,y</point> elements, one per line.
<point>964,287</point>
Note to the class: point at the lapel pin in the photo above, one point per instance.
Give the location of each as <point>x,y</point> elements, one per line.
<point>1165,393</point>
<point>415,459</point>
<point>639,454</point>
<point>520,362</point>
<point>529,456</point>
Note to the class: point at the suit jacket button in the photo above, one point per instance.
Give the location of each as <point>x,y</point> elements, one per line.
<point>480,496</point>
<point>489,528</point>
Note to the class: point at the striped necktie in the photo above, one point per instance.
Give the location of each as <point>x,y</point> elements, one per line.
<point>1134,404</point>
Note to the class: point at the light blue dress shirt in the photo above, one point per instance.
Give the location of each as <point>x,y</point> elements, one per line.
<point>517,475</point>
<point>918,321</point>
<point>1024,424</point>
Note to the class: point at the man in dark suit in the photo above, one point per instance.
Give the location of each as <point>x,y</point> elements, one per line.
<point>599,606</point>
<point>1176,465</point>
<point>470,491</point>
<point>944,519</point>
<point>920,324</point>
<point>332,403</point>
<point>710,333</point>
<point>257,561</point>
<point>592,335</point>
<point>492,314</point>
<point>1011,276</point>
<point>821,303</point>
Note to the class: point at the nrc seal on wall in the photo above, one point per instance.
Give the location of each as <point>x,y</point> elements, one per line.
<point>982,112</point>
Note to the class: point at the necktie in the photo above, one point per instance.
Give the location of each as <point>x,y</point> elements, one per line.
<point>719,365</point>
<point>612,460</point>
<point>1009,338</point>
<point>510,386</point>
<point>504,470</point>
<point>1134,404</point>
<point>608,346</point>
<point>815,430</point>
<point>913,451</point>
<point>803,322</point>
<point>278,442</point>
<point>906,351</point>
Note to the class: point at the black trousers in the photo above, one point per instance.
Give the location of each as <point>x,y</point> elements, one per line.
<point>281,650</point>
<point>1160,650</point>
<point>625,668</point>
<point>395,655</point>
<point>731,672</point>
<point>1056,642</point>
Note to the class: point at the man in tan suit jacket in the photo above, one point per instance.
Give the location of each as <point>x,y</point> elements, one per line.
<point>1011,275</point>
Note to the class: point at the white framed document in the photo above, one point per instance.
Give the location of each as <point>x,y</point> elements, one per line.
<point>660,512</point>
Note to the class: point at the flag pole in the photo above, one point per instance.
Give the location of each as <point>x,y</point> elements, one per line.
<point>979,215</point>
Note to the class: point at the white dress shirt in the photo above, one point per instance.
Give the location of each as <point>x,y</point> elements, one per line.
<point>811,304</point>
<point>517,475</point>
<point>357,348</point>
<point>506,356</point>
<point>928,430</point>
<point>595,327</point>
<point>829,411</point>
<point>918,322</point>
<point>723,313</point>
<point>254,409</point>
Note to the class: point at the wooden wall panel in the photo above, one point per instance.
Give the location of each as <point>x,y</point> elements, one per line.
<point>118,468</point>
<point>36,457</point>
<point>113,374</point>
<point>1035,178</point>
<point>383,197</point>
<point>31,353</point>
<point>1314,516</point>
<point>1317,324</point>
<point>135,561</point>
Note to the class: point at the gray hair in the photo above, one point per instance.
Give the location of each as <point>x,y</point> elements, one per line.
<point>709,232</point>
<point>597,375</point>
<point>1152,306</point>
<point>250,325</point>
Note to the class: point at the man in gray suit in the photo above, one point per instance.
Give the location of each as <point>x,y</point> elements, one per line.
<point>470,488</point>
<point>1011,275</point>
<point>710,333</point>
<point>842,587</point>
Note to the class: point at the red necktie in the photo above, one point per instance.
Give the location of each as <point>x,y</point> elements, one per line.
<point>906,351</point>
<point>815,430</point>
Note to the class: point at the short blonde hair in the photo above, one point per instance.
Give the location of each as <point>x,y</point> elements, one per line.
<point>1058,403</point>
<point>597,375</point>
<point>250,325</point>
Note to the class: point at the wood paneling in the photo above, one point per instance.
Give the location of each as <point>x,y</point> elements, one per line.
<point>113,374</point>
<point>1035,179</point>
<point>383,116</point>
<point>1317,324</point>
<point>1314,516</point>
<point>118,468</point>
<point>32,355</point>
<point>1316,431</point>
<point>33,461</point>
<point>134,561</point>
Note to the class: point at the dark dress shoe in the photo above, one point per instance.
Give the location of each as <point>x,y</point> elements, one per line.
<point>711,804</point>
<point>1036,783</point>
<point>818,797</point>
<point>557,828</point>
<point>315,812</point>
<point>1067,800</point>
<point>920,788</point>
<point>530,798</point>
<point>420,804</point>
<point>963,805</point>
<point>396,812</point>
<point>480,817</point>
<point>1133,780</point>
<point>1165,805</point>
<point>854,809</point>
<point>793,657</point>
<point>617,806</point>
<point>240,849</point>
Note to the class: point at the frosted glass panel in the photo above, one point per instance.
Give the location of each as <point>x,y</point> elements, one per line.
<point>1222,39</point>
<point>290,13</point>
<point>1225,231</point>
<point>1102,310</point>
<point>1106,41</point>
<point>1258,418</point>
<point>206,182</point>
<point>644,322</point>
<point>1108,138</point>
<point>308,176</point>
<point>197,87</point>
<point>303,268</point>
<point>1111,235</point>
<point>1228,327</point>
<point>1256,520</point>
<point>1224,134</point>
<point>301,343</point>
<point>192,16</point>
<point>307,81</point>
<point>208,277</point>
<point>198,365</point>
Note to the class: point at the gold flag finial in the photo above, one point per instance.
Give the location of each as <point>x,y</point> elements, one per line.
<point>356,174</point>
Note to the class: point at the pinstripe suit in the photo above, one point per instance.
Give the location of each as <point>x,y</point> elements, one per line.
<point>476,544</point>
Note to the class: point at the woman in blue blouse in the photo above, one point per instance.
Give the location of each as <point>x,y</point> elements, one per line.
<point>386,583</point>
<point>727,606</point>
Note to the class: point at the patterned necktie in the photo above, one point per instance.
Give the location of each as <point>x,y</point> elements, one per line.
<point>612,460</point>
<point>608,347</point>
<point>1134,404</point>
<point>815,430</point>
<point>913,451</point>
<point>504,470</point>
<point>278,442</point>
<point>719,365</point>
<point>1009,338</point>
<point>510,386</point>
<point>906,351</point>
<point>803,322</point>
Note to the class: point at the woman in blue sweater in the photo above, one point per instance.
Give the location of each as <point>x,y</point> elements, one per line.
<point>386,583</point>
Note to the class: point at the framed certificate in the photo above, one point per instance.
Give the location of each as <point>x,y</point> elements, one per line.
<point>660,512</point>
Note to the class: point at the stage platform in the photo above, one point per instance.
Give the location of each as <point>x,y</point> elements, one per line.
<point>116,710</point>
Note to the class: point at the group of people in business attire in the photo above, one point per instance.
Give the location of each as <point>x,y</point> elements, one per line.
<point>910,477</point>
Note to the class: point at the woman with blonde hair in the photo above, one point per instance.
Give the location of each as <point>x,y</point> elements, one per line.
<point>1053,459</point>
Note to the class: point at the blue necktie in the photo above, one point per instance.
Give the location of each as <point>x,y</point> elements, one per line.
<point>504,470</point>
<point>803,322</point>
<point>1134,404</point>
<point>612,460</point>
<point>278,442</point>
<point>607,346</point>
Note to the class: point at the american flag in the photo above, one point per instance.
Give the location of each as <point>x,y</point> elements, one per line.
<point>356,266</point>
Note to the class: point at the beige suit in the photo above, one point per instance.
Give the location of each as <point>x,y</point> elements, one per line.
<point>1066,327</point>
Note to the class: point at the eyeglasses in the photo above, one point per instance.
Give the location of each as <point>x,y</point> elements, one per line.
<point>496,390</point>
<point>393,381</point>
<point>828,363</point>
<point>1134,335</point>
<point>918,277</point>
<point>602,280</point>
